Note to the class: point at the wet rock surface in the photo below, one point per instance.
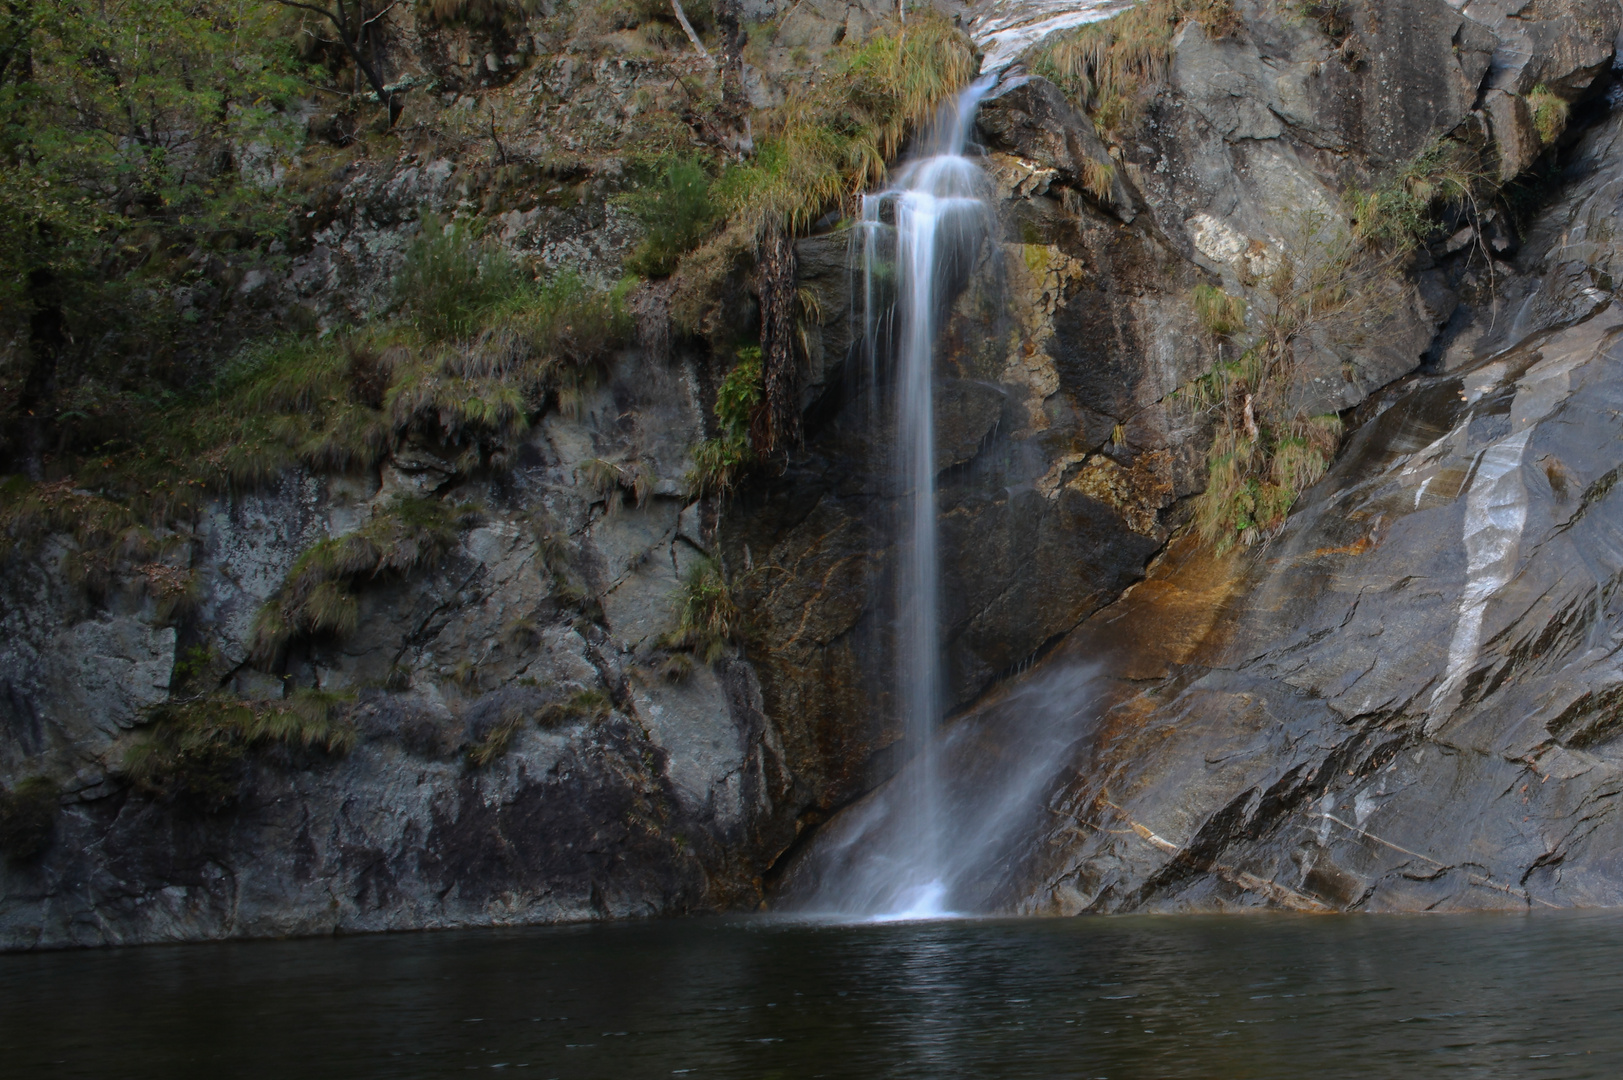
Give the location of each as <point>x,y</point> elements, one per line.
<point>1407,700</point>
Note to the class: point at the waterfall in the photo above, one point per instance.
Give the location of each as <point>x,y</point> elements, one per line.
<point>914,240</point>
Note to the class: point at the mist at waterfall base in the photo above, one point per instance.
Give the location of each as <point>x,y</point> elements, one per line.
<point>1264,997</point>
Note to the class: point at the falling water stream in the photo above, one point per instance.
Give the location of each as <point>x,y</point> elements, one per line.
<point>940,839</point>
<point>943,837</point>
<point>939,216</point>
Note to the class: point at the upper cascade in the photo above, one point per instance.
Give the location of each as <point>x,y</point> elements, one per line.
<point>1008,28</point>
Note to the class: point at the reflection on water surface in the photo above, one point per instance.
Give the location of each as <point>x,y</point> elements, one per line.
<point>1254,996</point>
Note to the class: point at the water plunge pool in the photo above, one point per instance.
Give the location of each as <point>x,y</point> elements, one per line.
<point>1139,997</point>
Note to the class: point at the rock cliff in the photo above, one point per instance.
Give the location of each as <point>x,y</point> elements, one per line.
<point>1401,698</point>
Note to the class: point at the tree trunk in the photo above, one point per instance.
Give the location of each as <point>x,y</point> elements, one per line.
<point>47,336</point>
<point>777,424</point>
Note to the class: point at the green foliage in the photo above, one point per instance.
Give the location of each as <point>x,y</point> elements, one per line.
<point>1265,450</point>
<point>134,140</point>
<point>836,136</point>
<point>195,749</point>
<point>831,138</point>
<point>1255,476</point>
<point>317,598</point>
<point>677,212</point>
<point>1110,67</point>
<point>719,463</point>
<point>1401,213</point>
<point>338,405</point>
<point>1219,312</point>
<point>1549,113</point>
<point>450,283</point>
<point>708,619</point>
<point>28,814</point>
<point>497,15</point>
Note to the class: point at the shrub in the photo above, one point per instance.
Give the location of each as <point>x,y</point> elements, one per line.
<point>719,463</point>
<point>677,213</point>
<point>1254,477</point>
<point>194,750</point>
<point>1401,213</point>
<point>28,814</point>
<point>450,279</point>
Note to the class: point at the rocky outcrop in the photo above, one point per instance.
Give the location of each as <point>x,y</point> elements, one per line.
<point>1408,700</point>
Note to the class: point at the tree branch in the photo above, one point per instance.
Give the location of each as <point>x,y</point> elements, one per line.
<point>682,17</point>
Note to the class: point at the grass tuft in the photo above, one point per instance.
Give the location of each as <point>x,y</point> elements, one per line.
<point>708,620</point>
<point>195,750</point>
<point>1221,313</point>
<point>1111,67</point>
<point>317,598</point>
<point>1549,113</point>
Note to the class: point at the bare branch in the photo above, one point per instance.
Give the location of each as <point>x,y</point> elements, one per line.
<point>682,17</point>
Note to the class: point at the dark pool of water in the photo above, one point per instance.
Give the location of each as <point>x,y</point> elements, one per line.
<point>1256,996</point>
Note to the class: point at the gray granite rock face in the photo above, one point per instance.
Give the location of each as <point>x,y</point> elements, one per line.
<point>1409,701</point>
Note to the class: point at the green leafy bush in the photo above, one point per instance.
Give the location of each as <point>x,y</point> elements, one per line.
<point>1402,212</point>
<point>719,463</point>
<point>677,212</point>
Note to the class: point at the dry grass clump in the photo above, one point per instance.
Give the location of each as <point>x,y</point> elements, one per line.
<point>1111,67</point>
<point>317,599</point>
<point>195,749</point>
<point>708,620</point>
